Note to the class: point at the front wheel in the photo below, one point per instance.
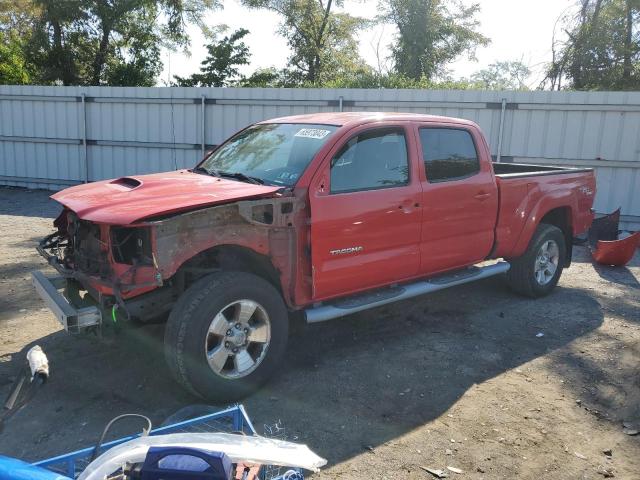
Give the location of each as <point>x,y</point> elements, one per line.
<point>537,271</point>
<point>226,335</point>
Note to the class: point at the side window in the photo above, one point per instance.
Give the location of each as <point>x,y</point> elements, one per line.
<point>448,154</point>
<point>371,160</point>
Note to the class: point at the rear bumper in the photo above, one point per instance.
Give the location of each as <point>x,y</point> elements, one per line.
<point>73,318</point>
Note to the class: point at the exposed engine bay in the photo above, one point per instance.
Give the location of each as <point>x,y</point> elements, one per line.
<point>101,259</point>
<point>76,246</point>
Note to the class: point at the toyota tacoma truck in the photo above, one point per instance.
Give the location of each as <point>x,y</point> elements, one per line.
<point>324,215</point>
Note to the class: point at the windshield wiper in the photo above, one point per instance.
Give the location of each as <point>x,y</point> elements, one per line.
<point>201,170</point>
<point>242,177</point>
<point>236,175</point>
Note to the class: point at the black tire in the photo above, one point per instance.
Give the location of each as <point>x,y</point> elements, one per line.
<point>521,277</point>
<point>186,334</point>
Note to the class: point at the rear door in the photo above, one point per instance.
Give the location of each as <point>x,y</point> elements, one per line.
<point>365,212</point>
<point>459,197</point>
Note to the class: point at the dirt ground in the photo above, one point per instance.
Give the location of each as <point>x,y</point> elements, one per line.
<point>459,378</point>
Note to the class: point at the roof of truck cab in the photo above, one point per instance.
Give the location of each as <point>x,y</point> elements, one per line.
<point>357,118</point>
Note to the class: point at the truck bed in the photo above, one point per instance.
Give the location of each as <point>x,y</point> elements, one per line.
<point>514,170</point>
<point>525,193</point>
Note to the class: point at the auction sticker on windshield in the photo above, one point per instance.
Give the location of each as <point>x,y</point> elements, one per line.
<point>312,133</point>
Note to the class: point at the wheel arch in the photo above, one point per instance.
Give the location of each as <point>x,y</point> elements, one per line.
<point>560,216</point>
<point>229,257</point>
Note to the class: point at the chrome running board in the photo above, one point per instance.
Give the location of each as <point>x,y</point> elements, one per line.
<point>377,298</point>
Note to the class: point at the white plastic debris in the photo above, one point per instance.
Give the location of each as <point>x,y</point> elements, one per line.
<point>539,334</point>
<point>435,472</point>
<point>248,449</point>
<point>38,362</point>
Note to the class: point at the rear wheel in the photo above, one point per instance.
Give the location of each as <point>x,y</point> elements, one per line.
<point>226,335</point>
<point>537,271</point>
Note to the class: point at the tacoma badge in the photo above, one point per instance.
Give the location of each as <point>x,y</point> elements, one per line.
<point>343,251</point>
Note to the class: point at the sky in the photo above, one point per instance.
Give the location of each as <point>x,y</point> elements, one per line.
<point>518,29</point>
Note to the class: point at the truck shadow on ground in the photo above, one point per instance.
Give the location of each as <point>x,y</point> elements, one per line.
<point>345,385</point>
<point>383,373</point>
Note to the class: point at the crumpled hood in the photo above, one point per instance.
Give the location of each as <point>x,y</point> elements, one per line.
<point>128,199</point>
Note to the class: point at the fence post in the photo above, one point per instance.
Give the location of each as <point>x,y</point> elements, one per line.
<point>340,99</point>
<point>502,111</point>
<point>84,139</point>
<point>202,112</point>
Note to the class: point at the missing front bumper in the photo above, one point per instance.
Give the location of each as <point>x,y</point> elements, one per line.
<point>73,319</point>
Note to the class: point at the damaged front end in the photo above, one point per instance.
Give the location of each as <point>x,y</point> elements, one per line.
<point>99,267</point>
<point>109,273</point>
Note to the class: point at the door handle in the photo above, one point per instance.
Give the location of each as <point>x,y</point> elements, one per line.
<point>408,206</point>
<point>482,196</point>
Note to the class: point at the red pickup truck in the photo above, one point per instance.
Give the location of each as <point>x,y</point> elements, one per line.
<point>324,214</point>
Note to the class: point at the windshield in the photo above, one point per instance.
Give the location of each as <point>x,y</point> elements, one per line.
<point>273,153</point>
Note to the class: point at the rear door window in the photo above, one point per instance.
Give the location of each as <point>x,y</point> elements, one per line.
<point>448,153</point>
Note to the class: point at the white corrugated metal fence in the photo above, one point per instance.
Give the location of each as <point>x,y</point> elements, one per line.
<point>52,137</point>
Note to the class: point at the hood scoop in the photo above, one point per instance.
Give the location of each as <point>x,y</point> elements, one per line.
<point>127,182</point>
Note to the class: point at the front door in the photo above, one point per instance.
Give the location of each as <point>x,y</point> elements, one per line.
<point>366,213</point>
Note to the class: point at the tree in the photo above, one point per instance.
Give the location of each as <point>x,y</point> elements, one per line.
<point>134,29</point>
<point>262,78</point>
<point>16,17</point>
<point>54,41</point>
<point>271,78</point>
<point>507,75</point>
<point>322,41</point>
<point>13,68</point>
<point>219,68</point>
<point>601,50</point>
<point>392,80</point>
<point>135,58</point>
<point>99,42</point>
<point>431,34</point>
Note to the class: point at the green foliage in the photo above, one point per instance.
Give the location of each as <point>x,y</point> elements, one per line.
<point>262,78</point>
<point>135,59</point>
<point>270,78</point>
<point>507,75</point>
<point>98,42</point>
<point>368,78</point>
<point>602,51</point>
<point>180,13</point>
<point>16,18</point>
<point>322,42</point>
<point>431,33</point>
<point>219,68</point>
<point>393,80</point>
<point>13,69</point>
